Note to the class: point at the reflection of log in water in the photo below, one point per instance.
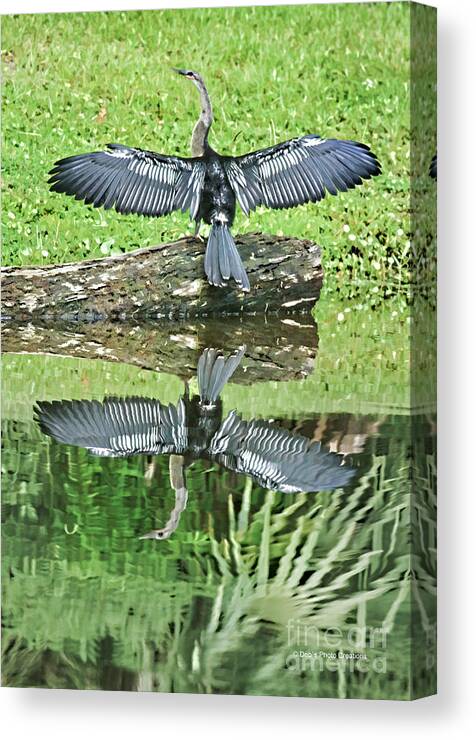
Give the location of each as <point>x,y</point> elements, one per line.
<point>166,281</point>
<point>277,349</point>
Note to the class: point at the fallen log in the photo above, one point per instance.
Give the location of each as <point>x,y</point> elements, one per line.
<point>277,349</point>
<point>166,281</point>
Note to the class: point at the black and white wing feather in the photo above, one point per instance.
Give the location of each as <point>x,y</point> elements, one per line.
<point>117,427</point>
<point>277,459</point>
<point>299,171</point>
<point>131,180</point>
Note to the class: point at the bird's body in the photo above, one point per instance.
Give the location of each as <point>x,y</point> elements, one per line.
<point>218,200</point>
<point>209,184</point>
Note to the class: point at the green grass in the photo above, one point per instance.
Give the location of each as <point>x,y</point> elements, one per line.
<point>73,82</point>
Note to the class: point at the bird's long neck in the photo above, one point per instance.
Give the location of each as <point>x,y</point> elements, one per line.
<point>177,480</point>
<point>202,127</point>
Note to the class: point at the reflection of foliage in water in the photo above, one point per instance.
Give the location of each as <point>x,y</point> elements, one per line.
<point>89,606</point>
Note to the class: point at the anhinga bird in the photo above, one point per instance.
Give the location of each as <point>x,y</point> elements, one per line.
<point>209,184</point>
<point>193,429</point>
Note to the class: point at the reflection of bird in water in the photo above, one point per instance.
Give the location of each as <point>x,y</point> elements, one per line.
<point>208,184</point>
<point>193,428</point>
<point>433,167</point>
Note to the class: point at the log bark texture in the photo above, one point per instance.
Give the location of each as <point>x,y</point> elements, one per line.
<point>276,348</point>
<point>166,281</point>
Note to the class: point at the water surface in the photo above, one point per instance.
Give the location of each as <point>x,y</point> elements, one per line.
<point>256,590</point>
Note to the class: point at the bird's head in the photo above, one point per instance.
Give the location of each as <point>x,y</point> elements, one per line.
<point>189,74</point>
<point>156,534</point>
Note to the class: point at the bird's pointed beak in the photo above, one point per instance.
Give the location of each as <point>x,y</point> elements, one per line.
<point>179,71</point>
<point>156,534</point>
<point>148,536</point>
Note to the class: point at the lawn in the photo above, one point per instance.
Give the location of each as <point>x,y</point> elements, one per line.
<point>74,82</point>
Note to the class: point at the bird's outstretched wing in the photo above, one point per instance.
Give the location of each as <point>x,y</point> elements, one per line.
<point>117,427</point>
<point>275,458</point>
<point>299,171</point>
<point>131,180</point>
<point>434,167</point>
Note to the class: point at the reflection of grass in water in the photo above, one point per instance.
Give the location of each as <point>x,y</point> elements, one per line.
<point>207,610</point>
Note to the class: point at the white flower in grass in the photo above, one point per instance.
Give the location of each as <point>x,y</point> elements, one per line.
<point>106,246</point>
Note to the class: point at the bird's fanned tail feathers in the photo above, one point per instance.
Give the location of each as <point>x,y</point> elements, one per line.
<point>222,260</point>
<point>214,371</point>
